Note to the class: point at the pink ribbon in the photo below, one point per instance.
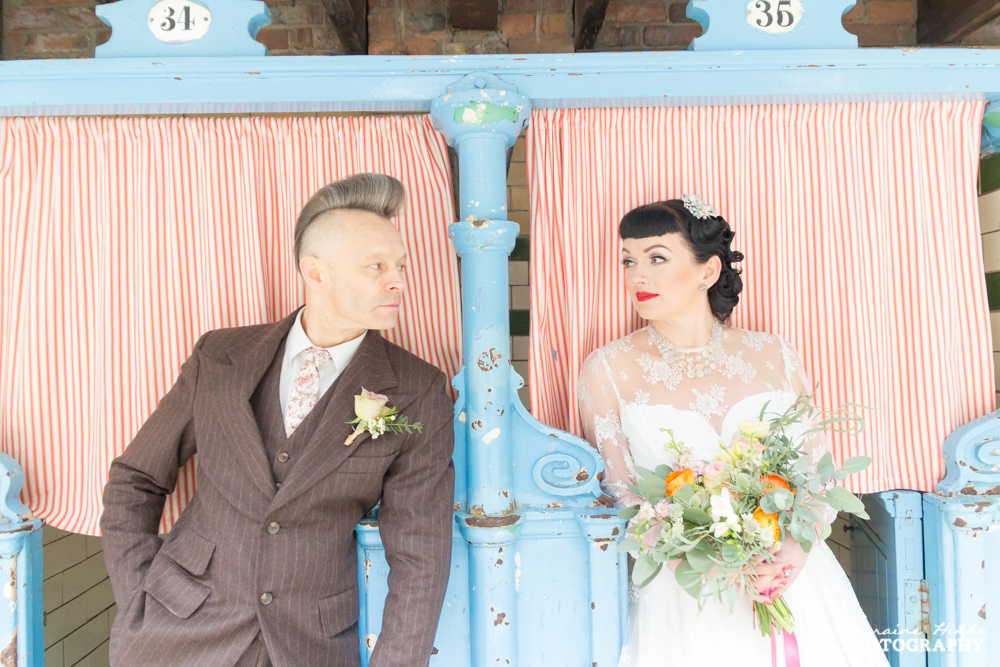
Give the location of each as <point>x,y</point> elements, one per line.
<point>791,649</point>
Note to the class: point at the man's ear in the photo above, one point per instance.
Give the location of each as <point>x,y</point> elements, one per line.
<point>311,268</point>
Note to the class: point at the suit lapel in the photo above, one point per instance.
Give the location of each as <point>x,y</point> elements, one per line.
<point>231,385</point>
<point>325,450</point>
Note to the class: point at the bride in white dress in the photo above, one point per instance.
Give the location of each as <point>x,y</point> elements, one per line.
<point>688,371</point>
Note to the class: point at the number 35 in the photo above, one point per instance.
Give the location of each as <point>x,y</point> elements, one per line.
<point>783,17</point>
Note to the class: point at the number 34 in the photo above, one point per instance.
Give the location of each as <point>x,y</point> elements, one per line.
<point>780,15</point>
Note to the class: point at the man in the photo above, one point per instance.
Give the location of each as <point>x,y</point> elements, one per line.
<point>261,567</point>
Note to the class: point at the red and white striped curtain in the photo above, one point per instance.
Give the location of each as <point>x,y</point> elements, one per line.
<point>124,239</point>
<point>860,228</point>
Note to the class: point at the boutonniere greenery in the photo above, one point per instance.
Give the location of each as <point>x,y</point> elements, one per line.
<point>373,416</point>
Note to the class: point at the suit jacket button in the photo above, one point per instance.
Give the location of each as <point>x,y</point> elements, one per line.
<point>282,457</point>
<point>266,598</point>
<point>273,527</point>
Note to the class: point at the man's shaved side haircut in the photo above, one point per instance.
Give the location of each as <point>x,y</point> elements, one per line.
<point>376,193</point>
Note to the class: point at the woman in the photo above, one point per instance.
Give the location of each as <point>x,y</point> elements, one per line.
<point>692,373</point>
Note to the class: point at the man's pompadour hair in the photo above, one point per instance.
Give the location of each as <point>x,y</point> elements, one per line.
<point>376,193</point>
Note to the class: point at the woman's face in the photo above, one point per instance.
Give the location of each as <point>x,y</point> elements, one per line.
<point>663,277</point>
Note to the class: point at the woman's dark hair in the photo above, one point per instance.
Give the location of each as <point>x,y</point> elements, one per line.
<point>706,237</point>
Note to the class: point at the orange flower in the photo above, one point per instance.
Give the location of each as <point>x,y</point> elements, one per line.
<point>677,479</point>
<point>768,521</point>
<point>773,483</point>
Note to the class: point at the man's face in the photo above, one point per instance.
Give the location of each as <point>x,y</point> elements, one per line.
<point>353,261</point>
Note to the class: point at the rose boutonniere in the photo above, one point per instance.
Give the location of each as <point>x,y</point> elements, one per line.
<point>373,416</point>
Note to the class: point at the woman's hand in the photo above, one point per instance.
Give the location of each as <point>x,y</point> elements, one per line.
<point>778,574</point>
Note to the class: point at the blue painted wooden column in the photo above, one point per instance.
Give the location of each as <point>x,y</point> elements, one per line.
<point>21,631</point>
<point>482,118</point>
<point>962,549</point>
<point>545,586</point>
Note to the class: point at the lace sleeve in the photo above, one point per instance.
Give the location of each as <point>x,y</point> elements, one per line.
<point>816,444</point>
<point>602,427</point>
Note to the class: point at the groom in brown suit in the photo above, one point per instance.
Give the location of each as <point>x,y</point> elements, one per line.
<point>261,567</point>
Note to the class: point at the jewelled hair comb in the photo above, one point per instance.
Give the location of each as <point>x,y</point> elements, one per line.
<point>698,207</point>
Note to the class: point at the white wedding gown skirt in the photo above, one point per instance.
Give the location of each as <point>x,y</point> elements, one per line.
<point>666,628</point>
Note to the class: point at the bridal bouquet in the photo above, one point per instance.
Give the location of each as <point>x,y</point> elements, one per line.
<point>723,517</point>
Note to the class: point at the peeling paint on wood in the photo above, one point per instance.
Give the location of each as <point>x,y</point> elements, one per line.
<point>8,657</point>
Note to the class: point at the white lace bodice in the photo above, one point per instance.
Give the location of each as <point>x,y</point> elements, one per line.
<point>629,394</point>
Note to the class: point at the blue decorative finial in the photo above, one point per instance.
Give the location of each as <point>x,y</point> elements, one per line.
<point>481,103</point>
<point>12,510</point>
<point>183,28</point>
<point>771,24</point>
<point>972,459</point>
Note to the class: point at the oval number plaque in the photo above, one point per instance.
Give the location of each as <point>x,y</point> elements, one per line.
<point>179,21</point>
<point>774,16</point>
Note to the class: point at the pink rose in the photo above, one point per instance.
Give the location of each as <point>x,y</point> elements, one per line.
<point>712,477</point>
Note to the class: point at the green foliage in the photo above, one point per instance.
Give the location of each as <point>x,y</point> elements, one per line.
<point>644,570</point>
<point>697,516</point>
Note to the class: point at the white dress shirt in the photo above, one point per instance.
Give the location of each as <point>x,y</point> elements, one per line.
<point>295,355</point>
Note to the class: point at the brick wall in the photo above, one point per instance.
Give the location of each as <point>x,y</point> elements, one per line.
<point>299,27</point>
<point>50,29</point>
<point>79,606</point>
<point>70,29</point>
<point>420,27</point>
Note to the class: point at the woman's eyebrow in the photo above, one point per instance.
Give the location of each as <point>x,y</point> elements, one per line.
<point>656,246</point>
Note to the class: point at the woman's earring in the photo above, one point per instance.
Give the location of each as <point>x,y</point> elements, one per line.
<point>704,288</point>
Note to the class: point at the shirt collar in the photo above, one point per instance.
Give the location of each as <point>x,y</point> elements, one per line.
<point>298,342</point>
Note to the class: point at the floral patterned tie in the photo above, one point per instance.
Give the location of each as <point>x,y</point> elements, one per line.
<point>305,389</point>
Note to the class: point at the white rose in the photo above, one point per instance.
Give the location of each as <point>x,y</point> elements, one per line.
<point>369,405</point>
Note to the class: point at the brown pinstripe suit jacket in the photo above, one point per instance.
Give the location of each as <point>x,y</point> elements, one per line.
<point>194,599</point>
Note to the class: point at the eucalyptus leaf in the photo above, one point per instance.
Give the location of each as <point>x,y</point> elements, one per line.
<point>729,552</point>
<point>856,464</point>
<point>655,496</point>
<point>697,515</point>
<point>644,473</point>
<point>767,504</point>
<point>825,531</point>
<point>627,545</point>
<point>700,560</point>
<point>628,512</point>
<point>848,501</point>
<point>663,470</point>
<point>644,570</point>
<point>826,468</point>
<point>684,494</point>
<point>689,580</point>
<point>783,498</point>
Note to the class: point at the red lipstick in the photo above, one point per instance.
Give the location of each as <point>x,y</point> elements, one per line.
<point>645,296</point>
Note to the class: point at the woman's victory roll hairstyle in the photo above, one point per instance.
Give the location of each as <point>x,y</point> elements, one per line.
<point>705,237</point>
<point>376,193</point>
